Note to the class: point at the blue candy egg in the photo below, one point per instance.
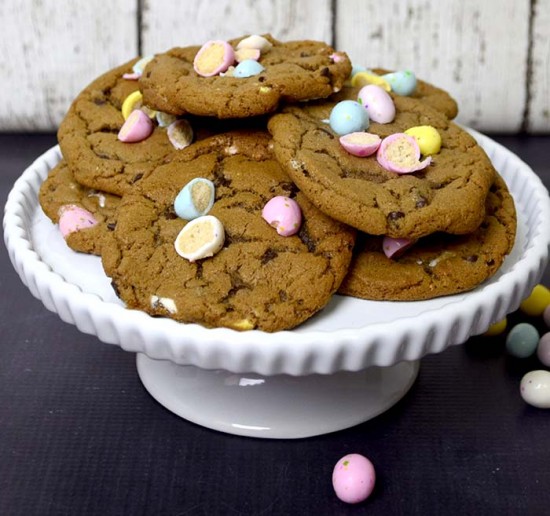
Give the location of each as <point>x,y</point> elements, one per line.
<point>522,340</point>
<point>248,68</point>
<point>195,199</point>
<point>402,83</point>
<point>347,117</point>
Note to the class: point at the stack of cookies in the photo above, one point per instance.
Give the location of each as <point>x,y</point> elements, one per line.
<point>243,183</point>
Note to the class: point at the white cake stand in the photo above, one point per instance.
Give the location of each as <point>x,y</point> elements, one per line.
<point>349,363</point>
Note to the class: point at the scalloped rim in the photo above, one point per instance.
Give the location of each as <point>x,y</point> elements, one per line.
<point>295,353</point>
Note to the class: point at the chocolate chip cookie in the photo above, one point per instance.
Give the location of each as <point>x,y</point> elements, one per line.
<point>292,71</point>
<point>449,195</point>
<point>436,265</point>
<point>259,279</point>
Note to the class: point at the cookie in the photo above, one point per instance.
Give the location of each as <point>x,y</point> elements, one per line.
<point>436,265</point>
<point>259,279</point>
<point>63,200</point>
<point>449,195</point>
<point>292,71</point>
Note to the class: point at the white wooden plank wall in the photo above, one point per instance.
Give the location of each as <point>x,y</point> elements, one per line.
<point>493,56</point>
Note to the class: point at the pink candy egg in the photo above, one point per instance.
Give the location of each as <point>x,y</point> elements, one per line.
<point>214,57</point>
<point>395,247</point>
<point>283,214</point>
<point>353,478</point>
<point>378,103</point>
<point>137,127</point>
<point>400,153</point>
<point>360,143</point>
<point>74,218</point>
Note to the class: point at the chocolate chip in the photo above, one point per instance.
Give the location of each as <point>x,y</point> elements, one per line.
<point>472,258</point>
<point>111,226</point>
<point>324,72</point>
<point>99,101</point>
<point>137,177</point>
<point>283,295</point>
<point>261,78</point>
<point>269,255</point>
<point>395,215</point>
<point>421,202</point>
<point>306,239</point>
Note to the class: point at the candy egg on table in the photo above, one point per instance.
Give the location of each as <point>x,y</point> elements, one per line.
<point>402,83</point>
<point>348,116</point>
<point>522,340</point>
<point>543,349</point>
<point>535,304</point>
<point>496,328</point>
<point>195,199</point>
<point>353,478</point>
<point>378,103</point>
<point>535,388</point>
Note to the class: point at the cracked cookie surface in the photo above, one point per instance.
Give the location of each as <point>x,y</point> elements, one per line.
<point>448,196</point>
<point>439,264</point>
<point>293,71</point>
<point>61,189</point>
<point>259,279</point>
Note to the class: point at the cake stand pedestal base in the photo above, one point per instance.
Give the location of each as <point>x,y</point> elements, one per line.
<point>275,407</point>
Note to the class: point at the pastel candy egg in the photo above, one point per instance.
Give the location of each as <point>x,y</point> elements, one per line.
<point>248,68</point>
<point>138,127</point>
<point>140,65</point>
<point>201,238</point>
<point>427,137</point>
<point>165,119</point>
<point>496,328</point>
<point>400,153</point>
<point>401,83</point>
<point>378,103</point>
<point>353,478</point>
<point>213,57</point>
<point>535,388</point>
<point>543,349</point>
<point>135,101</point>
<point>284,214</point>
<point>247,53</point>
<point>395,247</point>
<point>347,117</point>
<point>195,199</point>
<point>536,302</point>
<point>360,144</point>
<point>74,218</point>
<point>363,78</point>
<point>256,42</point>
<point>180,134</point>
<point>522,340</point>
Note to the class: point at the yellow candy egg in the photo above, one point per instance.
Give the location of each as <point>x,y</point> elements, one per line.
<point>135,101</point>
<point>427,137</point>
<point>537,301</point>
<point>364,78</point>
<point>497,328</point>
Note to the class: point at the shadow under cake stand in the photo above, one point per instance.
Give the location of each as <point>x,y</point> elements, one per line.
<point>349,363</point>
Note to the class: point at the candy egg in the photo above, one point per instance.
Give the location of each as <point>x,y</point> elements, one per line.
<point>543,349</point>
<point>400,153</point>
<point>353,478</point>
<point>74,218</point>
<point>378,103</point>
<point>135,101</point>
<point>195,199</point>
<point>522,340</point>
<point>496,328</point>
<point>395,247</point>
<point>255,41</point>
<point>363,78</point>
<point>213,57</point>
<point>201,238</point>
<point>284,214</point>
<point>138,127</point>
<point>247,53</point>
<point>248,68</point>
<point>535,388</point>
<point>536,302</point>
<point>165,119</point>
<point>427,137</point>
<point>140,65</point>
<point>360,144</point>
<point>180,134</point>
<point>401,83</point>
<point>347,117</point>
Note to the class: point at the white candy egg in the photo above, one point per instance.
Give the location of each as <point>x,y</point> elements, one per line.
<point>535,388</point>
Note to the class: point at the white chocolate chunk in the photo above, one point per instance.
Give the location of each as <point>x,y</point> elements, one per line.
<point>165,302</point>
<point>201,238</point>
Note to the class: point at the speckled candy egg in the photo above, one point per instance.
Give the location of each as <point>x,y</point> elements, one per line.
<point>347,117</point>
<point>402,83</point>
<point>353,478</point>
<point>535,388</point>
<point>378,103</point>
<point>522,340</point>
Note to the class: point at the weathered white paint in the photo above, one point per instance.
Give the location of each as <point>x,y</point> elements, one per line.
<point>475,50</point>
<point>539,82</point>
<point>51,49</point>
<point>479,51</point>
<point>179,23</point>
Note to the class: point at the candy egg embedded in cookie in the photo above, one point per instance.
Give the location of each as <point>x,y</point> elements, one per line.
<point>203,237</point>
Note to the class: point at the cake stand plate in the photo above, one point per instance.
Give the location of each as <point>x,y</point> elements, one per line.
<point>279,406</point>
<point>345,365</point>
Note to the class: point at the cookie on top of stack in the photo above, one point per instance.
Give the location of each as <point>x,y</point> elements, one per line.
<point>243,183</point>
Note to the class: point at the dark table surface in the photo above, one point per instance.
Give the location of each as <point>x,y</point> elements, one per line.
<point>79,435</point>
